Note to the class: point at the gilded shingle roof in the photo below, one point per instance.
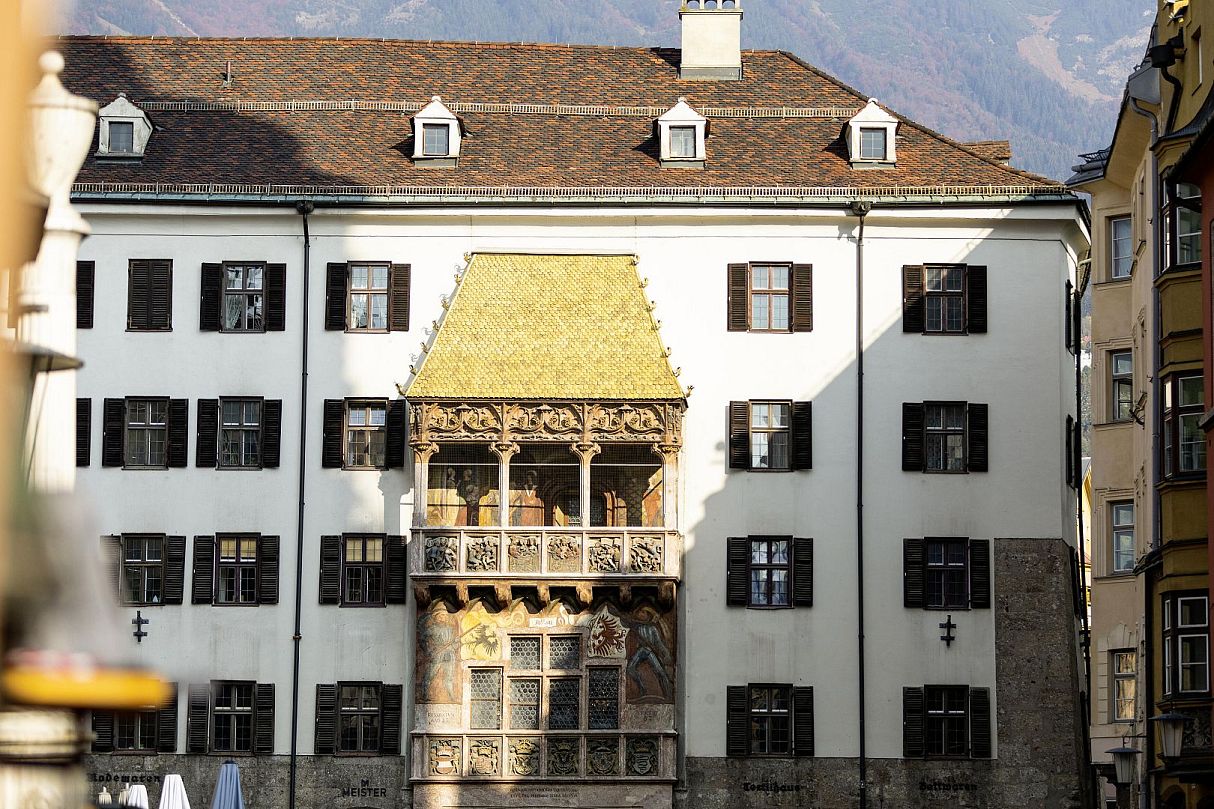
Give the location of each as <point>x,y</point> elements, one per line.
<point>547,327</point>
<point>283,125</point>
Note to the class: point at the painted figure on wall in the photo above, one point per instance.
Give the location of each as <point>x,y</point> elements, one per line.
<point>438,643</point>
<point>526,507</point>
<point>650,668</point>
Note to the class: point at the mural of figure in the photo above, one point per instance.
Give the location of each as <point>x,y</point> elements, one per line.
<point>443,501</point>
<point>526,507</point>
<point>438,643</point>
<point>650,668</point>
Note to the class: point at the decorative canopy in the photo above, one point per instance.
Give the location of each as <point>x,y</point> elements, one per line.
<point>545,327</point>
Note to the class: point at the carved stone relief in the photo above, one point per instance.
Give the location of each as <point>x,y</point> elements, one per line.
<point>442,554</point>
<point>642,756</point>
<point>483,756</point>
<point>569,421</point>
<point>603,756</point>
<point>482,554</point>
<point>645,554</point>
<point>564,554</point>
<point>524,756</point>
<point>630,420</point>
<point>444,756</point>
<point>524,553</point>
<point>604,554</point>
<point>563,754</point>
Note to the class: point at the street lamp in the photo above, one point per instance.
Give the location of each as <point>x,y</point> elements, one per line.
<point>1124,760</point>
<point>1171,733</point>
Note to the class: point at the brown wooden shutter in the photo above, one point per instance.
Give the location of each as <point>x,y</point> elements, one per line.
<point>1076,586</point>
<point>335,297</point>
<point>331,453</point>
<point>980,723</point>
<point>737,723</point>
<point>197,718</point>
<point>138,292</point>
<point>84,431</point>
<point>113,429</point>
<point>802,297</point>
<point>85,281</point>
<point>174,570</point>
<point>802,572</point>
<point>1068,332</point>
<point>326,720</point>
<point>263,719</point>
<point>210,297</point>
<point>914,318</point>
<point>803,720</point>
<point>276,297</point>
<point>398,305</point>
<point>912,723</point>
<point>330,570</point>
<point>160,296</point>
<point>396,574</point>
<point>912,436</point>
<point>271,433</point>
<point>394,449</point>
<point>975,299</point>
<point>103,731</point>
<point>203,575</point>
<point>1069,439</point>
<point>980,574</point>
<point>206,451</point>
<point>739,435</point>
<point>392,700</point>
<point>913,573</point>
<point>802,435</point>
<point>1076,322</point>
<point>979,421</point>
<point>178,433</point>
<point>267,570</point>
<point>111,553</point>
<point>737,574</point>
<point>738,298</point>
<point>166,723</point>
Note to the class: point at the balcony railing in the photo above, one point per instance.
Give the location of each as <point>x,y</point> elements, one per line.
<point>545,552</point>
<point>519,756</point>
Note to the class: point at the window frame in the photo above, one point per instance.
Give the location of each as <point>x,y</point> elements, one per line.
<point>370,292</point>
<point>435,127</point>
<point>143,564</point>
<point>683,129</point>
<point>1173,415</point>
<point>244,292</point>
<point>368,428</point>
<point>139,717</point>
<point>1173,206</point>
<point>1116,382</point>
<point>1117,529</point>
<point>945,568</point>
<point>242,568</point>
<point>965,437</point>
<point>215,710</point>
<point>168,303</point>
<point>944,294</point>
<point>1116,677</point>
<point>146,427</point>
<point>110,124</point>
<point>1174,634</point>
<point>382,564</point>
<point>1128,239</point>
<point>242,428</point>
<point>771,292</point>
<point>874,130</point>
<point>751,430</point>
<point>787,566</point>
<point>752,715</point>
<point>928,691</point>
<point>360,713</point>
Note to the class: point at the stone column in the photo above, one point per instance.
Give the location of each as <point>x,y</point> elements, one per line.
<point>422,452</point>
<point>585,451</point>
<point>669,453</point>
<point>504,450</point>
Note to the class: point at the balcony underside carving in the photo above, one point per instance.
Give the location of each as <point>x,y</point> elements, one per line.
<point>583,422</point>
<point>579,594</point>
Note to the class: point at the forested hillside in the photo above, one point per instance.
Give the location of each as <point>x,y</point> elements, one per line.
<point>1045,74</point>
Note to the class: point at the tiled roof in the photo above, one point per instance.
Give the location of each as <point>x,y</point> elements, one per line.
<point>283,127</point>
<point>547,327</point>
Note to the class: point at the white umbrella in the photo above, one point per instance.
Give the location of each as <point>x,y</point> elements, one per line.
<point>138,797</point>
<point>172,794</point>
<point>227,788</point>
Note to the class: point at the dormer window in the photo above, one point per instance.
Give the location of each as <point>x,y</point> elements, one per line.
<point>681,135</point>
<point>436,135</point>
<point>124,130</point>
<point>871,137</point>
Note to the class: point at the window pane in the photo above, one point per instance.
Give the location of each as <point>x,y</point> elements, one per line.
<point>954,317</point>
<point>122,136</point>
<point>759,312</point>
<point>778,448</point>
<point>779,277</point>
<point>935,279</point>
<point>935,313</point>
<point>954,277</point>
<point>379,277</point>
<point>779,312</point>
<point>759,552</point>
<point>253,277</point>
<point>1191,392</point>
<point>1192,612</point>
<point>565,652</point>
<point>1123,363</point>
<point>436,139</point>
<point>872,144</point>
<point>779,588</point>
<point>682,141</point>
<point>1121,248</point>
<point>379,311</point>
<point>358,311</point>
<point>359,276</point>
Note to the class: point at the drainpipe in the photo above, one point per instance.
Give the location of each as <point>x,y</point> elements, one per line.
<point>303,207</point>
<point>860,208</point>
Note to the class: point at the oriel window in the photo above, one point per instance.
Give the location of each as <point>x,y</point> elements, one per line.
<point>1124,549</point>
<point>486,706</point>
<point>1121,366</point>
<point>1184,444</point>
<point>1121,244</point>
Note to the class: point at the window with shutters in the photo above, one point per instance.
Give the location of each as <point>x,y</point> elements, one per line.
<point>770,720</point>
<point>150,295</point>
<point>945,437</point>
<point>944,299</point>
<point>236,570</point>
<point>1123,665</point>
<point>147,422</point>
<point>366,434</point>
<point>1124,548</point>
<point>1121,393</point>
<point>1184,441</point>
<point>240,433</point>
<point>368,298</point>
<point>232,717</point>
<point>947,573</point>
<point>774,297</point>
<point>135,732</point>
<point>143,732</point>
<point>362,571</point>
<point>85,284</point>
<point>769,572</point>
<point>143,569</point>
<point>1186,643</point>
<point>946,721</point>
<point>770,435</point>
<point>358,717</point>
<point>243,297</point>
<point>765,719</point>
<point>770,568</point>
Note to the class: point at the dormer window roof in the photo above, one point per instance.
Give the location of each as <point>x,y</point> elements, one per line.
<point>436,135</point>
<point>681,135</point>
<point>124,130</point>
<point>872,137</point>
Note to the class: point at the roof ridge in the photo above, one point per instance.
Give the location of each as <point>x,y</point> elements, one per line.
<point>924,129</point>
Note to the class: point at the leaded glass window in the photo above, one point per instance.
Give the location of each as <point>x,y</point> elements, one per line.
<point>565,652</point>
<point>525,652</point>
<point>486,707</point>
<point>604,699</point>
<point>524,703</point>
<point>564,698</point>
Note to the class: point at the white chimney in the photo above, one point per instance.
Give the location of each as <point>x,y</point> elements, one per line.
<point>712,39</point>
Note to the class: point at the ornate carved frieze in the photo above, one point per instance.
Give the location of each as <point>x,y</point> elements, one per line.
<point>442,553</point>
<point>483,756</point>
<point>563,755</point>
<point>645,554</point>
<point>524,553</point>
<point>642,756</point>
<point>482,554</point>
<point>445,756</point>
<point>604,554</point>
<point>524,756</point>
<point>585,422</point>
<point>564,553</point>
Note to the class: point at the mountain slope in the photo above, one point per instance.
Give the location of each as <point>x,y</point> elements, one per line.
<point>1045,74</point>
